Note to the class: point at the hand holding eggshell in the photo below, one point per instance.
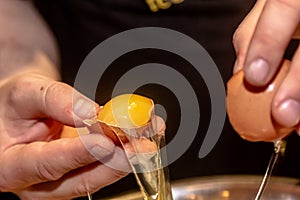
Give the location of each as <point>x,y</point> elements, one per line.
<point>249,108</point>
<point>125,118</point>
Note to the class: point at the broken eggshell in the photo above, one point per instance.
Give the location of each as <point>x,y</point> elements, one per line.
<point>127,111</point>
<point>115,134</point>
<point>134,139</point>
<point>126,119</point>
<point>123,116</point>
<point>249,108</point>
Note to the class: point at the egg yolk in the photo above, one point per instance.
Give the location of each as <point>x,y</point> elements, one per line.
<point>127,111</point>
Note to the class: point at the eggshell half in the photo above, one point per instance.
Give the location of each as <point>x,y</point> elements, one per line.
<point>249,108</point>
<point>71,132</point>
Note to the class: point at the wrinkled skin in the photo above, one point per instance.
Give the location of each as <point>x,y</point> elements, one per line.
<point>35,164</point>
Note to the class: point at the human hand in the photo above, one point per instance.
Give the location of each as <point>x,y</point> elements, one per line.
<point>35,163</point>
<point>260,43</point>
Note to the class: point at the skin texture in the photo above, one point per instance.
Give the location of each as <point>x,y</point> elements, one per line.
<point>249,108</point>
<point>34,106</point>
<point>260,42</point>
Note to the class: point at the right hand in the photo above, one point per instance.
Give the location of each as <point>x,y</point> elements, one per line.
<point>260,42</point>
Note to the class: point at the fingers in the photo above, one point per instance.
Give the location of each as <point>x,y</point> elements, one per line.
<point>47,161</point>
<point>286,103</point>
<point>36,97</point>
<point>260,49</point>
<point>244,33</point>
<point>95,176</point>
<point>273,32</point>
<point>78,182</point>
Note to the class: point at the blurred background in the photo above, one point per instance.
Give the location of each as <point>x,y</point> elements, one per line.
<point>80,25</point>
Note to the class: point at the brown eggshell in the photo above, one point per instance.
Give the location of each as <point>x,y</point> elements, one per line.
<point>101,127</point>
<point>249,108</point>
<point>71,132</point>
<point>116,134</point>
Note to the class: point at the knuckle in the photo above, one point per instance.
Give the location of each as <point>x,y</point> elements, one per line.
<point>266,38</point>
<point>55,86</point>
<point>52,91</point>
<point>61,163</point>
<point>46,172</point>
<point>23,86</point>
<point>50,88</point>
<point>17,90</point>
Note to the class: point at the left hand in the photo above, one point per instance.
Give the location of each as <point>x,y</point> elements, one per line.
<point>35,162</point>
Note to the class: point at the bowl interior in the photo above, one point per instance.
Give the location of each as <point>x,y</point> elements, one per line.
<point>228,188</point>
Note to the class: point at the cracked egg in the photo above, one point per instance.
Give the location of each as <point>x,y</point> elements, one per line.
<point>123,113</point>
<point>249,108</point>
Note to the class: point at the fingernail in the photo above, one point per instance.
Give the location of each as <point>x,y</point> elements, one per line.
<point>104,146</point>
<point>257,72</point>
<point>290,112</point>
<point>100,152</point>
<point>98,145</point>
<point>84,108</point>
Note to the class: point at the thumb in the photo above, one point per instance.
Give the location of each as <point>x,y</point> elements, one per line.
<point>38,162</point>
<point>35,96</point>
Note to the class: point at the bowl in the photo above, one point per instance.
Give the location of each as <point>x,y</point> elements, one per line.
<point>237,187</point>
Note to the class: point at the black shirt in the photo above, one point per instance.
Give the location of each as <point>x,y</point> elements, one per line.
<point>80,25</point>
